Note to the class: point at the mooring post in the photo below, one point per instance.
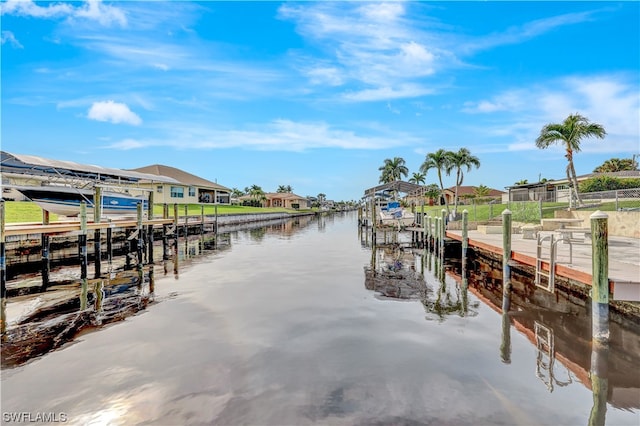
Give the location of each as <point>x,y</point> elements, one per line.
<point>82,240</point>
<point>45,245</point>
<point>465,236</point>
<point>110,245</point>
<point>175,239</point>
<point>139,242</point>
<point>600,277</point>
<point>150,229</point>
<point>443,230</point>
<point>97,215</point>
<point>506,256</point>
<point>186,219</point>
<point>3,274</point>
<point>165,237</point>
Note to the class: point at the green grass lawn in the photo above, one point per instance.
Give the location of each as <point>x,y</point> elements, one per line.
<point>26,211</point>
<point>523,212</point>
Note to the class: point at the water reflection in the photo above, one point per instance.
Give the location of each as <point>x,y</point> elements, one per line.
<point>396,271</point>
<point>559,329</point>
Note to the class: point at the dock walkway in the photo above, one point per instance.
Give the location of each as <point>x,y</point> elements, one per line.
<point>624,256</point>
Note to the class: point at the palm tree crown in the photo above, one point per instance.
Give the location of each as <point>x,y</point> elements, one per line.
<point>458,161</point>
<point>569,133</point>
<point>393,170</point>
<point>440,161</point>
<point>418,178</point>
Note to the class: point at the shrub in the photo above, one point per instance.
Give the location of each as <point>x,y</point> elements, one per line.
<point>608,183</point>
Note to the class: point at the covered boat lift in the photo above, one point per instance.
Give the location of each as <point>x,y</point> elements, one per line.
<point>43,169</point>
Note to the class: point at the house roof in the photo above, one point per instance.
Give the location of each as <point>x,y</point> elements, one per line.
<point>621,174</point>
<point>33,165</point>
<point>181,176</point>
<point>397,185</point>
<point>284,195</point>
<point>470,190</point>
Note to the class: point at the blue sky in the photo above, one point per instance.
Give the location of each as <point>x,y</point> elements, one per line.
<point>317,95</point>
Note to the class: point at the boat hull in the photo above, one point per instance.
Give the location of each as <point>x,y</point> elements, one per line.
<point>66,201</point>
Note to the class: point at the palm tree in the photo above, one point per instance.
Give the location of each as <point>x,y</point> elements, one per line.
<point>459,160</point>
<point>284,189</point>
<point>522,182</point>
<point>440,161</point>
<point>418,178</point>
<point>256,193</point>
<point>569,133</point>
<point>393,170</point>
<point>481,190</point>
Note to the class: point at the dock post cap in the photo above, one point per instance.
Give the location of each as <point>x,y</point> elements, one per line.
<point>599,215</point>
<point>506,211</point>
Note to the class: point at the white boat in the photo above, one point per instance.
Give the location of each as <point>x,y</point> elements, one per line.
<point>394,215</point>
<point>65,200</point>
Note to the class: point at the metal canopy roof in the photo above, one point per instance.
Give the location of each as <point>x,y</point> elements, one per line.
<point>397,185</point>
<point>31,164</point>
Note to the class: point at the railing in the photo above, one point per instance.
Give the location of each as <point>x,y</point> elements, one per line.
<point>624,199</point>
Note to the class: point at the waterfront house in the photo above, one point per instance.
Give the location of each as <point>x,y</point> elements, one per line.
<point>189,189</point>
<point>558,190</point>
<point>468,193</point>
<point>279,199</point>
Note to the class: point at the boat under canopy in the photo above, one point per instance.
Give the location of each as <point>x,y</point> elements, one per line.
<point>66,201</point>
<point>60,186</point>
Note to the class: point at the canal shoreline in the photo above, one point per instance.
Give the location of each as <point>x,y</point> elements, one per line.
<point>574,277</point>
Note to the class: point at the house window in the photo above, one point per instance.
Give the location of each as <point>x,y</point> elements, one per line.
<point>177,192</point>
<point>192,191</point>
<point>159,189</point>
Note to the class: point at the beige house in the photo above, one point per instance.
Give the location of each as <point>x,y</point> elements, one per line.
<point>190,189</point>
<point>468,192</point>
<point>287,200</point>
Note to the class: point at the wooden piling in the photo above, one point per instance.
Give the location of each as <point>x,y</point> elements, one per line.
<point>175,239</point>
<point>3,274</point>
<point>443,229</point>
<point>465,235</point>
<point>82,241</point>
<point>186,219</point>
<point>600,277</point>
<point>506,256</point>
<point>165,237</point>
<point>97,215</point>
<point>149,244</point>
<point>110,246</point>
<point>140,242</point>
<point>45,253</point>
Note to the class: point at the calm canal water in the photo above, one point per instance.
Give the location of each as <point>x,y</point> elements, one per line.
<point>291,326</point>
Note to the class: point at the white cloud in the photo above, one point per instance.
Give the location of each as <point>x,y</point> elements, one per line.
<point>8,37</point>
<point>611,100</point>
<point>92,10</point>
<point>376,45</point>
<point>386,93</point>
<point>113,112</point>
